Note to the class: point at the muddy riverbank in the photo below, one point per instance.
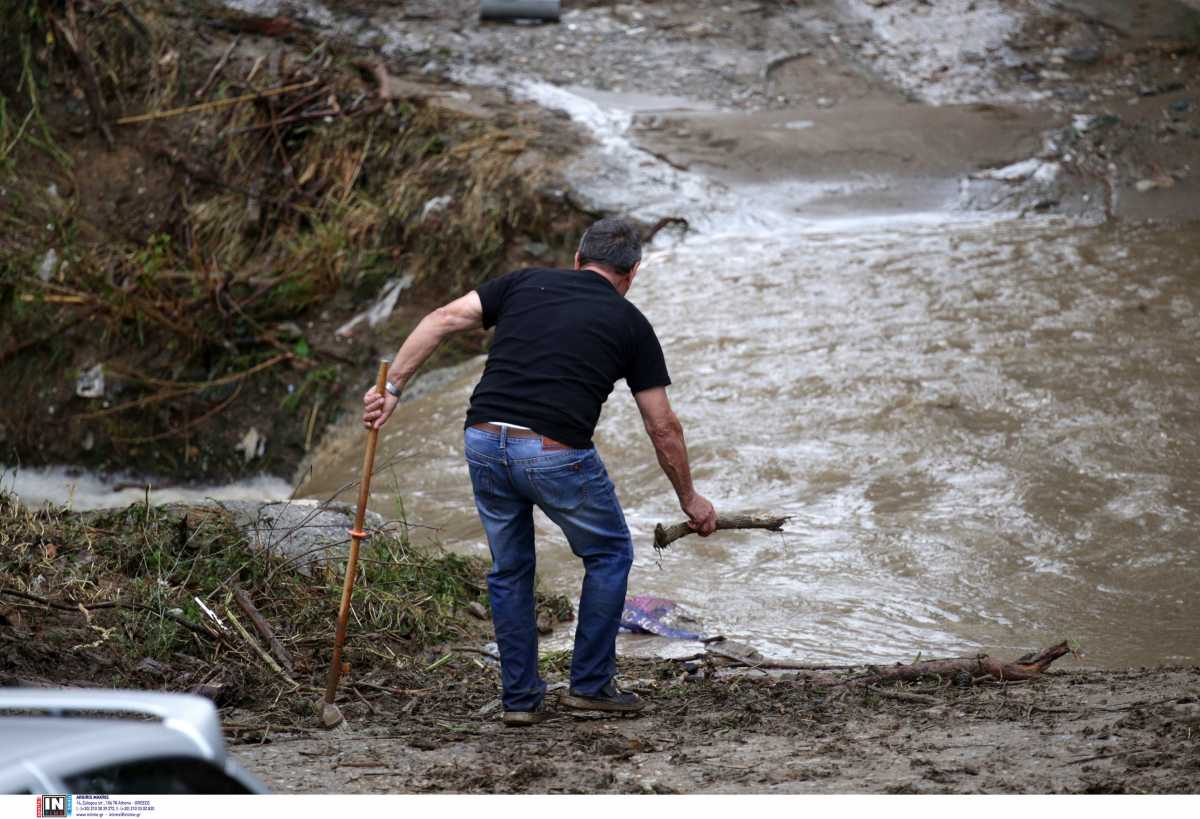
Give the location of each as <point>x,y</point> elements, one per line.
<point>110,599</point>
<point>944,341</point>
<point>1074,732</point>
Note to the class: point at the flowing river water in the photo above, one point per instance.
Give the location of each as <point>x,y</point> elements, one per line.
<point>985,430</point>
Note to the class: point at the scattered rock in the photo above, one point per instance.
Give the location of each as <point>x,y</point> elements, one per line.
<point>1183,106</point>
<point>217,691</point>
<point>1083,56</point>
<point>307,531</point>
<point>90,382</point>
<point>151,667</point>
<point>478,610</point>
<point>1161,88</point>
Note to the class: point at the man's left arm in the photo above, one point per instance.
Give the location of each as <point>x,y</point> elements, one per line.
<point>465,313</point>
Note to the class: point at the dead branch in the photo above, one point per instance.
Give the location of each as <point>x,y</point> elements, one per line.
<point>215,104</point>
<point>666,535</point>
<point>662,223</point>
<point>216,69</point>
<point>111,604</point>
<point>904,696</point>
<point>258,649</point>
<point>385,81</point>
<point>730,659</point>
<point>70,35</point>
<point>1027,668</point>
<point>661,157</point>
<point>177,389</point>
<point>263,627</point>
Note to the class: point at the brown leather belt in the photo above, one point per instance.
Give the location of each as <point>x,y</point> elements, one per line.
<point>513,432</point>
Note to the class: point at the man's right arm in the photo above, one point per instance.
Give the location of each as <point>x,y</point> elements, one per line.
<point>465,313</point>
<point>666,433</point>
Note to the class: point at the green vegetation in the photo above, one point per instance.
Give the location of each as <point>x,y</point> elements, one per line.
<point>157,562</point>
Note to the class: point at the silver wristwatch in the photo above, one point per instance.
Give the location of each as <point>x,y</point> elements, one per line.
<point>391,388</point>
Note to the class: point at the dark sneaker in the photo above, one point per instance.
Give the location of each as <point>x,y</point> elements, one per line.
<point>522,719</point>
<point>610,698</point>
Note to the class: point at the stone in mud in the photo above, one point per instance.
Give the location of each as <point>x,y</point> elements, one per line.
<point>152,668</point>
<point>307,531</point>
<point>90,382</point>
<point>1083,56</point>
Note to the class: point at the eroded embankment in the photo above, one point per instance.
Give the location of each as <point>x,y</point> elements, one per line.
<point>193,201</point>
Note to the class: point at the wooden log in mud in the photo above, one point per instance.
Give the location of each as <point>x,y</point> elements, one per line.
<point>666,535</point>
<point>1026,668</point>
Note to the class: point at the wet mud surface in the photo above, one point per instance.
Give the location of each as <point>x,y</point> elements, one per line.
<point>1069,732</point>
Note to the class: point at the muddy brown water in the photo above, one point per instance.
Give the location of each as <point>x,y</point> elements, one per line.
<point>985,431</point>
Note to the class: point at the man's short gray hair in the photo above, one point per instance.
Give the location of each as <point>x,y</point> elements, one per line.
<point>613,243</point>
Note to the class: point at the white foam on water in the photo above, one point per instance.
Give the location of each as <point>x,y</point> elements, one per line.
<point>73,488</point>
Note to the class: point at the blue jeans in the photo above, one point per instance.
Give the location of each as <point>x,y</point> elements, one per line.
<point>571,486</point>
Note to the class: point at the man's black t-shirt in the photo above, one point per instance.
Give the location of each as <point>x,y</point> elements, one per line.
<point>563,338</point>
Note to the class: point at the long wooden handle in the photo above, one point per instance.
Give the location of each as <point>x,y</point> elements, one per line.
<point>356,537</point>
<point>666,535</point>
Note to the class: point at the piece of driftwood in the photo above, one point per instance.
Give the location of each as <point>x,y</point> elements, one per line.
<point>1027,668</point>
<point>666,535</point>
<point>263,628</point>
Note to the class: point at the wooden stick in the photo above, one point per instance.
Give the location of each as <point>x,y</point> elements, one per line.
<point>263,627</point>
<point>215,104</point>
<point>666,535</point>
<point>356,537</point>
<point>212,75</point>
<point>259,650</point>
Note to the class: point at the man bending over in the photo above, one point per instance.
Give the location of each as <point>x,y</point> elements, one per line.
<point>563,339</point>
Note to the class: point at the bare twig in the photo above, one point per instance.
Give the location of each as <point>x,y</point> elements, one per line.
<point>214,104</point>
<point>212,75</point>
<point>111,604</point>
<point>91,86</point>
